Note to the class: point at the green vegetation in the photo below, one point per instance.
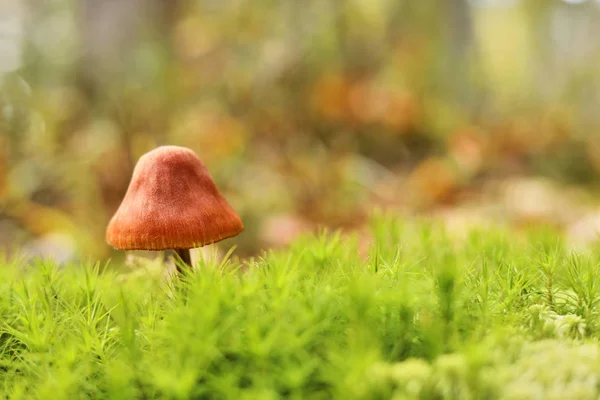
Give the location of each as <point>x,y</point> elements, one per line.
<point>422,315</point>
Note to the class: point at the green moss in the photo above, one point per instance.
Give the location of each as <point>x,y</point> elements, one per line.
<point>424,316</point>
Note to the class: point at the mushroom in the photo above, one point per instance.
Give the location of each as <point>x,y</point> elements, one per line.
<point>172,203</point>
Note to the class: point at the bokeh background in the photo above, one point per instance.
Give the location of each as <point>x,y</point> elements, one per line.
<point>307,113</point>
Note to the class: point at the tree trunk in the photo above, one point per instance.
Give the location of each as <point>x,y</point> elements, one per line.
<point>12,21</point>
<point>459,45</point>
<point>110,32</point>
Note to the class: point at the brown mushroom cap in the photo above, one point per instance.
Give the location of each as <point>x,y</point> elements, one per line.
<point>171,203</point>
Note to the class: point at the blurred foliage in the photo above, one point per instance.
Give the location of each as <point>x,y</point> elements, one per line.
<point>305,112</point>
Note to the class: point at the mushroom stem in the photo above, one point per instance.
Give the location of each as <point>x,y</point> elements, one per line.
<point>185,256</point>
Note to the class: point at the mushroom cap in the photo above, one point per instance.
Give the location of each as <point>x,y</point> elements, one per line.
<point>172,203</point>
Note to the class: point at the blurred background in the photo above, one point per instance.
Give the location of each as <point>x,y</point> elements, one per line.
<point>307,112</point>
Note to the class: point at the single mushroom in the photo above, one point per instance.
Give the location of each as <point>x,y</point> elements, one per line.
<point>172,203</point>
